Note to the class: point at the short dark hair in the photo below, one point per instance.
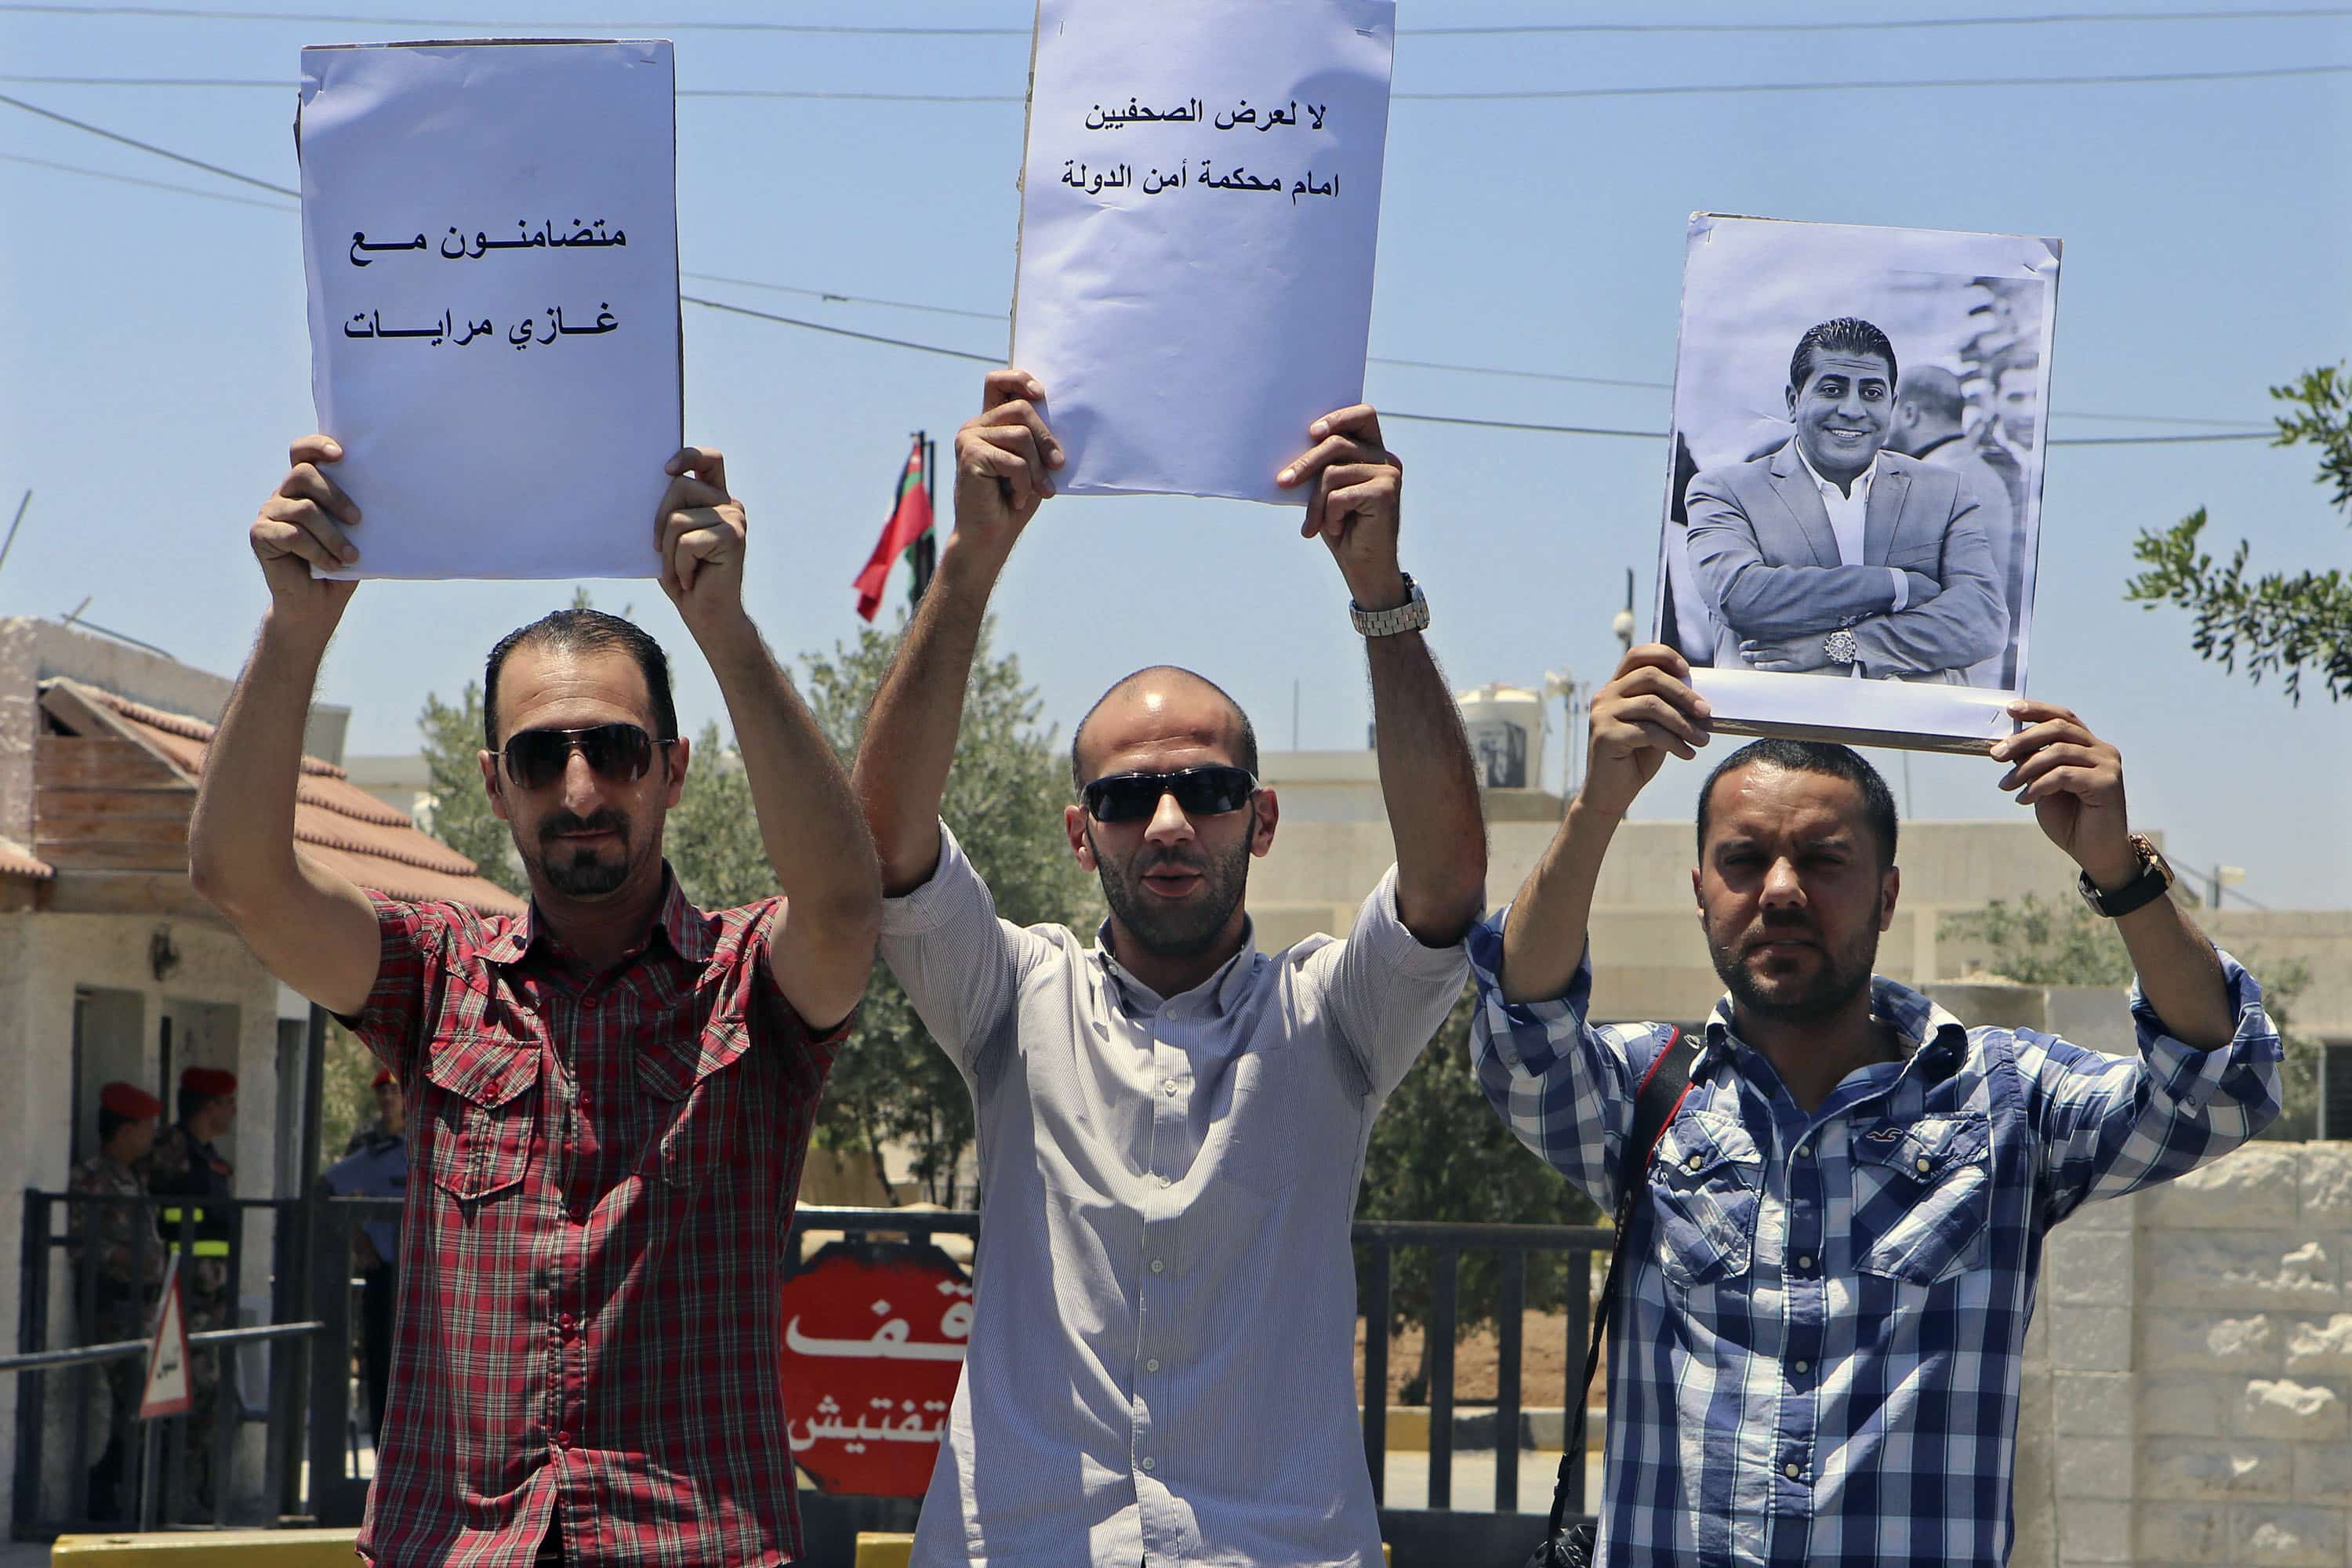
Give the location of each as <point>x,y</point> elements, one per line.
<point>584,631</point>
<point>110,1123</point>
<point>1845,335</point>
<point>1811,757</point>
<point>1245,748</point>
<point>1935,389</point>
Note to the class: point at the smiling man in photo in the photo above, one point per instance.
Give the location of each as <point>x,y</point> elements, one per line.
<point>1835,555</point>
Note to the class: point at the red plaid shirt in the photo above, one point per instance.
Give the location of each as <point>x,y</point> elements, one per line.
<point>594,1244</point>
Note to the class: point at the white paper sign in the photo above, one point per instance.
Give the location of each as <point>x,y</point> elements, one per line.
<point>1201,200</point>
<point>490,236</point>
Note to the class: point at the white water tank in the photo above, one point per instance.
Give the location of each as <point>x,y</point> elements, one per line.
<point>1507,734</point>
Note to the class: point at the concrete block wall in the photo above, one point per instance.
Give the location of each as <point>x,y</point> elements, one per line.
<point>2188,1386</point>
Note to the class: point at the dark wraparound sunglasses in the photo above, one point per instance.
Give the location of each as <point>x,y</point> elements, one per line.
<point>1200,792</point>
<point>534,759</point>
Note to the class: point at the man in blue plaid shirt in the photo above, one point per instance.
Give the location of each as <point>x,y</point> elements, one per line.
<point>1816,1354</point>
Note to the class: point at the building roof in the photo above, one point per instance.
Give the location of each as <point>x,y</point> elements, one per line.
<point>336,822</point>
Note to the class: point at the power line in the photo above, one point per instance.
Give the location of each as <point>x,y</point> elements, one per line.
<point>144,146</point>
<point>2063,18</point>
<point>991,359</point>
<point>151,184</point>
<point>1509,95</point>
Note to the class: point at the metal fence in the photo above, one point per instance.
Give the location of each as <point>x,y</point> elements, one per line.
<point>312,1469</point>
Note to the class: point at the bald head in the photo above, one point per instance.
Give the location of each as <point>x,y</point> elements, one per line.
<point>1163,706</point>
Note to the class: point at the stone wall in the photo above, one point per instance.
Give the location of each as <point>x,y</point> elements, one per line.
<point>2185,1394</point>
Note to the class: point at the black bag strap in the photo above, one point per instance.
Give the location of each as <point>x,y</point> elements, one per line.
<point>1655,1101</point>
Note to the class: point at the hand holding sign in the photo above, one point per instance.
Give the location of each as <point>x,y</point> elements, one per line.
<point>1355,504</point>
<point>701,540</point>
<point>1003,462</point>
<point>304,526</point>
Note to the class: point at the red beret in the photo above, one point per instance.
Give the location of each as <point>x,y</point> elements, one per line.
<point>129,1100</point>
<point>212,1082</point>
<point>383,1076</point>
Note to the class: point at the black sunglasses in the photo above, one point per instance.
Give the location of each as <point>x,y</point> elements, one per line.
<point>1200,792</point>
<point>619,753</point>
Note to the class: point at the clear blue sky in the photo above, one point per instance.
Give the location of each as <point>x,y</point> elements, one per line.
<point>155,361</point>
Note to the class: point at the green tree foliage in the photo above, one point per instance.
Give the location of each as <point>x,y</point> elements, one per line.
<point>2280,623</point>
<point>461,816</point>
<point>1438,1151</point>
<point>1004,799</point>
<point>2038,943</point>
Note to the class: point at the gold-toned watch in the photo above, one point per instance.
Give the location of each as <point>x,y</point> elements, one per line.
<point>2155,876</point>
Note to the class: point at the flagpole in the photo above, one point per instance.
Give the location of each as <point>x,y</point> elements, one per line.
<point>924,553</point>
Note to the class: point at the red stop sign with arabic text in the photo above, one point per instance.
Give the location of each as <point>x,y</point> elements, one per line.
<point>874,1341</point>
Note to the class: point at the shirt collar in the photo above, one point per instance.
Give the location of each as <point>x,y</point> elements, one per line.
<point>1860,485</point>
<point>689,931</point>
<point>1938,445</point>
<point>1226,985</point>
<point>1933,1039</point>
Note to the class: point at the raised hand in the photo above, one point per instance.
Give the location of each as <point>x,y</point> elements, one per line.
<point>1355,502</point>
<point>700,532</point>
<point>1004,458</point>
<point>305,524</point>
<point>1647,710</point>
<point>2074,783</point>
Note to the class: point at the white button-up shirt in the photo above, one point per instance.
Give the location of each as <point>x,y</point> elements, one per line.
<point>1161,1367</point>
<point>1849,515</point>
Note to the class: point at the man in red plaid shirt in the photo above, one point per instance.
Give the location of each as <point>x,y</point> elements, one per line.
<point>609,1098</point>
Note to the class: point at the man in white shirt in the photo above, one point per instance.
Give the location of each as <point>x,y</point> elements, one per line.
<point>1833,554</point>
<point>1171,1125</point>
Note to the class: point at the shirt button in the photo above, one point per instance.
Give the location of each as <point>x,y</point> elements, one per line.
<point>1804,1366</point>
<point>564,1440</point>
<point>1792,1470</point>
<point>1159,1266</point>
<point>1923,1166</point>
<point>1151,1365</point>
<point>564,1321</point>
<point>1694,1162</point>
<point>1168,1086</point>
<point>1149,1464</point>
<point>1804,1150</point>
<point>1166,1181</point>
<point>1804,1260</point>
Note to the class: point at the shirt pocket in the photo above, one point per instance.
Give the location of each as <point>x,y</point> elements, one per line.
<point>1267,1129</point>
<point>690,1100</point>
<point>485,1114</point>
<point>1704,1187</point>
<point>1922,1197</point>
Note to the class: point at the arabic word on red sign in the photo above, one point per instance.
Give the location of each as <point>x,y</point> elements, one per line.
<point>874,1341</point>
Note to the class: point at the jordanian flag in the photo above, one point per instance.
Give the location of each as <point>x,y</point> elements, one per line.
<point>910,519</point>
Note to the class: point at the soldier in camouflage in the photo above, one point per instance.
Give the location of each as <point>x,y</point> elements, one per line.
<point>115,1248</point>
<point>184,1171</point>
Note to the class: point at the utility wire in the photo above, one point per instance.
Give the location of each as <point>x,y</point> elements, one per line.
<point>2065,19</point>
<point>993,359</point>
<point>1509,95</point>
<point>151,184</point>
<point>146,146</point>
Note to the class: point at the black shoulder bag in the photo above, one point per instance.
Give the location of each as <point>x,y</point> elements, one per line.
<point>1660,1096</point>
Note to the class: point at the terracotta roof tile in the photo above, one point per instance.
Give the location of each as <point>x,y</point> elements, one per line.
<point>335,821</point>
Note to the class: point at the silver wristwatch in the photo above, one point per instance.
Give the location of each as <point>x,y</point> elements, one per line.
<point>1413,615</point>
<point>1840,647</point>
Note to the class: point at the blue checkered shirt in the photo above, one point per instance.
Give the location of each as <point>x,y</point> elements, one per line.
<point>1816,1360</point>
